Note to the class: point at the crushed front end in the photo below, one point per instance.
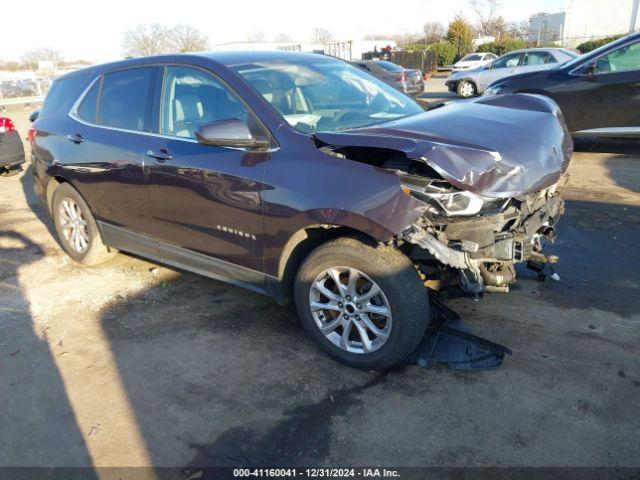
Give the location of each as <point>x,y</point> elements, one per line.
<point>479,238</point>
<point>486,175</point>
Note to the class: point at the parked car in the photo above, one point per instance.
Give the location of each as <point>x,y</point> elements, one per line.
<point>405,80</point>
<point>473,82</point>
<point>598,93</point>
<point>11,149</point>
<point>304,178</point>
<point>473,60</point>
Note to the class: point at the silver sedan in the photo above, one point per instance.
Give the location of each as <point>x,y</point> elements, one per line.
<point>468,83</point>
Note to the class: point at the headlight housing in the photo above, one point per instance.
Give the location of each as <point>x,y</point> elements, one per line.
<point>445,199</point>
<point>493,91</point>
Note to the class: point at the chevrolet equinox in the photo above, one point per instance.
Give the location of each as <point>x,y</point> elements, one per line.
<point>304,178</point>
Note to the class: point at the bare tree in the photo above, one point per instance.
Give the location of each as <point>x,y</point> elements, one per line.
<point>433,32</point>
<point>518,29</point>
<point>486,11</point>
<point>30,58</point>
<point>146,40</point>
<point>283,38</point>
<point>185,38</point>
<point>321,35</point>
<point>256,36</point>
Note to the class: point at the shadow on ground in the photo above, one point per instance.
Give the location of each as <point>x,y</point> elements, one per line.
<point>38,425</point>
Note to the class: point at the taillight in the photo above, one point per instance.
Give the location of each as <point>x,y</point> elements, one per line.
<point>31,136</point>
<point>6,125</point>
<point>402,77</point>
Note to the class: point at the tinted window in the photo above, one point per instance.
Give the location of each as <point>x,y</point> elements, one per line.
<point>62,90</point>
<point>620,60</point>
<point>124,99</point>
<point>389,67</point>
<point>89,106</point>
<point>192,97</point>
<point>508,61</point>
<point>471,58</point>
<point>537,58</point>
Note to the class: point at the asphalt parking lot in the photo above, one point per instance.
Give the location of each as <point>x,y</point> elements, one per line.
<point>133,364</point>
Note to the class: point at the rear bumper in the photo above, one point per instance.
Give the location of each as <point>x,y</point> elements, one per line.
<point>11,150</point>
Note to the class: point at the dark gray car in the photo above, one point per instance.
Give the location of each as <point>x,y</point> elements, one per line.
<point>405,80</point>
<point>11,149</point>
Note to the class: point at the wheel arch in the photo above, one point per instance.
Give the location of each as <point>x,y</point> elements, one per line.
<point>302,242</point>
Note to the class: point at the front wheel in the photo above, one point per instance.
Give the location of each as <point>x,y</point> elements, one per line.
<point>364,305</point>
<point>466,89</point>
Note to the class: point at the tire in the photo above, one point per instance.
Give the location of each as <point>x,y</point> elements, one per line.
<point>89,249</point>
<point>466,89</point>
<point>402,295</point>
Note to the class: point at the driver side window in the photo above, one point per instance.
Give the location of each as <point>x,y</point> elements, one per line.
<point>508,61</point>
<point>191,97</point>
<point>623,59</point>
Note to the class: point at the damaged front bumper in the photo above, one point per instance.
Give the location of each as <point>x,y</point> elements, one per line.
<point>484,248</point>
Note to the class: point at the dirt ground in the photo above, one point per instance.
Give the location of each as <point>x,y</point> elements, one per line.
<point>123,365</point>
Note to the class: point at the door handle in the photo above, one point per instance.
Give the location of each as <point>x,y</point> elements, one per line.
<point>75,138</point>
<point>162,155</point>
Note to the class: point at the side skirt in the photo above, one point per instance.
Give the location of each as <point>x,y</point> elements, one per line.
<point>144,246</point>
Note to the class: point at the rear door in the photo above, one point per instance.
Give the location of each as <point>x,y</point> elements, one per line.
<point>105,144</point>
<point>206,200</point>
<point>500,68</point>
<point>536,60</point>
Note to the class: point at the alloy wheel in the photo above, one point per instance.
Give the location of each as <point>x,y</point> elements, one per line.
<point>350,309</point>
<point>466,89</point>
<point>73,224</point>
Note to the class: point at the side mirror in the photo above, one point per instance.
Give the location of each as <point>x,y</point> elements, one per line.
<point>590,68</point>
<point>34,116</point>
<point>229,133</point>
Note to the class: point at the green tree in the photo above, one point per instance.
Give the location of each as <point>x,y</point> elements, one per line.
<point>593,44</point>
<point>445,51</point>
<point>460,35</point>
<point>503,46</point>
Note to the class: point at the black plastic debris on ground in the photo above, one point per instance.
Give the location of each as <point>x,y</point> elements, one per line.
<point>448,340</point>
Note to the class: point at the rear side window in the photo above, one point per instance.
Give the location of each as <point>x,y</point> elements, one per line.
<point>125,99</point>
<point>88,109</point>
<point>390,67</point>
<point>537,58</point>
<point>63,90</point>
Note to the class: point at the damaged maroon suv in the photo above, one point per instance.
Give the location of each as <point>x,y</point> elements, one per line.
<point>301,177</point>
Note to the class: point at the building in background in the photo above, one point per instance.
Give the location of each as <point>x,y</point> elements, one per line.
<point>584,20</point>
<point>546,28</point>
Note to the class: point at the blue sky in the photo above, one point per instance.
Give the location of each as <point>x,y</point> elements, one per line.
<point>94,30</point>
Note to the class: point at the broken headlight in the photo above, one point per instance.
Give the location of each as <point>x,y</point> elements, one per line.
<point>444,198</point>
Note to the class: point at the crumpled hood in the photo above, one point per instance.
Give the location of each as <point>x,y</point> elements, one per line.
<point>501,146</point>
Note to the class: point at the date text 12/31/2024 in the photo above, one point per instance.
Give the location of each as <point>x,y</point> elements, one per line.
<point>316,472</point>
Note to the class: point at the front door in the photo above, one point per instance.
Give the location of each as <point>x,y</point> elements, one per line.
<point>605,95</point>
<point>206,201</point>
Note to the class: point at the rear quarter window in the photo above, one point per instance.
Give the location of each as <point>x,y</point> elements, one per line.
<point>63,91</point>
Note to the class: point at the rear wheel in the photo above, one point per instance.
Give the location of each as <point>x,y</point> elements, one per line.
<point>466,89</point>
<point>365,306</point>
<point>76,228</point>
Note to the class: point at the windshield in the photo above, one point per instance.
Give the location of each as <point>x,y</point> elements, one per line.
<point>471,58</point>
<point>326,95</point>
